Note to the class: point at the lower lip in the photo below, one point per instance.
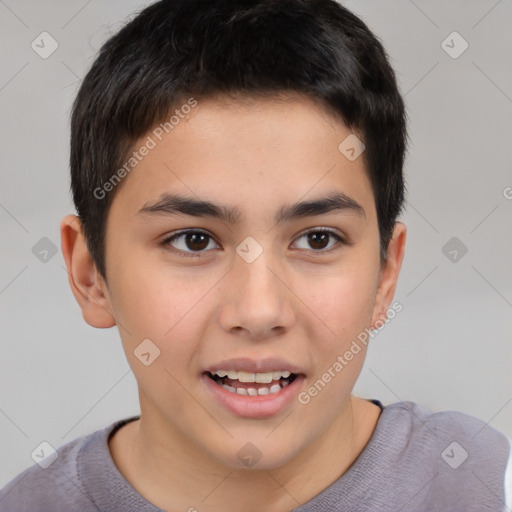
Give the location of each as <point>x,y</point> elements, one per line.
<point>260,406</point>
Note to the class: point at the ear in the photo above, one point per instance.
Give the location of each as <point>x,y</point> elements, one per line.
<point>87,285</point>
<point>389,272</point>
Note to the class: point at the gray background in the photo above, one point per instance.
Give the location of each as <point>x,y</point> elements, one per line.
<point>450,347</point>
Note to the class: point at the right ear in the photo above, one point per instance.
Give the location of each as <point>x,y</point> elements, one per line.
<point>86,283</point>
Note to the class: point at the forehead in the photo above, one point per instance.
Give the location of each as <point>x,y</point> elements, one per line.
<point>248,151</point>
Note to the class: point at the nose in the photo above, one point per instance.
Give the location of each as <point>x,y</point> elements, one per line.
<point>257,300</point>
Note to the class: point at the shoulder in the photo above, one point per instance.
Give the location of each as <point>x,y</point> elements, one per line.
<point>53,483</point>
<point>460,459</point>
<point>476,437</point>
<point>423,420</point>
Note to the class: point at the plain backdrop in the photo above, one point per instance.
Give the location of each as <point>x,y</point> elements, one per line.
<point>449,348</point>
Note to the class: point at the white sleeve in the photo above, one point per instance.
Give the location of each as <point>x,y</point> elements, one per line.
<point>508,481</point>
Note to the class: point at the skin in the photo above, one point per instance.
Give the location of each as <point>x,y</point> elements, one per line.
<point>292,302</point>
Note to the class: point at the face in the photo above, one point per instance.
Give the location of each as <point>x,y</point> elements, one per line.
<point>246,286</point>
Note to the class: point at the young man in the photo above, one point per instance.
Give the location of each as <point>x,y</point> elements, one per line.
<point>237,171</point>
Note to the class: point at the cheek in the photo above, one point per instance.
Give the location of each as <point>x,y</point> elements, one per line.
<point>147,295</point>
<point>169,307</point>
<point>149,304</point>
<point>345,305</point>
<point>343,302</point>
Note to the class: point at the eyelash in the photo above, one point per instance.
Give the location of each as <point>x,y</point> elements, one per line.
<point>198,254</point>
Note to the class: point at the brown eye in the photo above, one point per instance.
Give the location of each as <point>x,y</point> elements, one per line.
<point>196,241</point>
<point>189,242</point>
<point>319,239</point>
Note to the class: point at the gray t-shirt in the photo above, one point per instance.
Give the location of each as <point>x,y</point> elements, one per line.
<point>416,460</point>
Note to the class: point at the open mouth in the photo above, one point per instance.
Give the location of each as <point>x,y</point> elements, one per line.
<point>252,384</point>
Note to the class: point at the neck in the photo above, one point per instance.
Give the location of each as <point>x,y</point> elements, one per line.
<point>178,478</point>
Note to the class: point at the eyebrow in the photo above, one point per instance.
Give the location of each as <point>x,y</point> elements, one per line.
<point>174,204</point>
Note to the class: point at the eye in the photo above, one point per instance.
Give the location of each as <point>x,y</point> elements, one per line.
<point>192,243</point>
<point>319,239</point>
<point>189,242</point>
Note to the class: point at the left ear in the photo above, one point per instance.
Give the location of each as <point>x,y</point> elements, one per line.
<point>389,274</point>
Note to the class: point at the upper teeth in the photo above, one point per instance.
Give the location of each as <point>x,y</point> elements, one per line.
<point>262,378</point>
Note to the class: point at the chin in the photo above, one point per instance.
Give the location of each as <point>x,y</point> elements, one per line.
<point>257,453</point>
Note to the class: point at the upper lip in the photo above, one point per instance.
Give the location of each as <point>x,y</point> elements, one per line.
<point>245,364</point>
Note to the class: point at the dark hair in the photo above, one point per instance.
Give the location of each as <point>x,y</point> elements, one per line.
<point>178,48</point>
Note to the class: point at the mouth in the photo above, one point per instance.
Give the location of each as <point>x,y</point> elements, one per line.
<point>255,395</point>
<point>252,384</point>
